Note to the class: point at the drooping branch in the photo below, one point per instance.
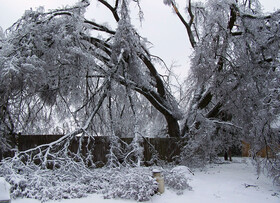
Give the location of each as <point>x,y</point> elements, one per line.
<point>160,103</point>
<point>98,44</point>
<point>94,25</point>
<point>156,98</point>
<point>154,73</point>
<point>99,27</point>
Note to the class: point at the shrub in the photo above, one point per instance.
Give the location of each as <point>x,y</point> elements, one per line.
<point>178,179</point>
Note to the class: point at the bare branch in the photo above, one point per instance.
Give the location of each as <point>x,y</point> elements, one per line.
<point>187,25</point>
<point>112,9</point>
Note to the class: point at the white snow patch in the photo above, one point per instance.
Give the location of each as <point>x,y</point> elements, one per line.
<point>229,182</point>
<point>185,171</point>
<point>4,189</point>
<point>156,171</point>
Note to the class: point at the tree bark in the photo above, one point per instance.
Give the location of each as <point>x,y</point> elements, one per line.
<point>172,126</point>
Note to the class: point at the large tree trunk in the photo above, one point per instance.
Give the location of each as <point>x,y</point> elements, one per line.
<point>172,126</point>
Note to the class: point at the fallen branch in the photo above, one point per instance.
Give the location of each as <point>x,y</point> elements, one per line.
<point>248,185</point>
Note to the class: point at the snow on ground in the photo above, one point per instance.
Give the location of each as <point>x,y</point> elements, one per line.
<point>228,182</point>
<point>4,189</point>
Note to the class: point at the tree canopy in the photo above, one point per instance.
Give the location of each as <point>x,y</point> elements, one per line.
<point>235,68</point>
<point>52,64</point>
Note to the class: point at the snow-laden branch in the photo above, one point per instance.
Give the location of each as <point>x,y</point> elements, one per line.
<point>104,95</point>
<point>225,123</point>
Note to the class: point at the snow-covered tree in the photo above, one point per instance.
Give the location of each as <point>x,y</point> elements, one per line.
<point>58,64</point>
<point>59,69</point>
<point>235,67</point>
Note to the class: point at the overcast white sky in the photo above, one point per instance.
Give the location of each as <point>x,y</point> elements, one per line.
<point>161,26</point>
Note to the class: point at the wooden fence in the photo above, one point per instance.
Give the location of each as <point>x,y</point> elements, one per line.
<point>165,148</point>
<point>264,151</point>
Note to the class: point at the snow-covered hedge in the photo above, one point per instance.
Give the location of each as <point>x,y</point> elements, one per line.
<point>74,180</point>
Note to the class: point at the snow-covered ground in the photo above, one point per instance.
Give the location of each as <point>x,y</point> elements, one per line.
<point>229,182</point>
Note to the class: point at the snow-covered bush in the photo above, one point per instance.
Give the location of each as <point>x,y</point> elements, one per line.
<point>199,151</point>
<point>178,179</point>
<point>269,166</point>
<point>208,139</point>
<point>72,179</point>
<point>131,183</point>
<point>75,180</point>
<point>32,181</point>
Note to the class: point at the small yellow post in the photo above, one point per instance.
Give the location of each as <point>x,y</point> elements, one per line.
<point>159,179</point>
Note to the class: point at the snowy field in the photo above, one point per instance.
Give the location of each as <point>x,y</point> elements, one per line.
<point>228,182</point>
